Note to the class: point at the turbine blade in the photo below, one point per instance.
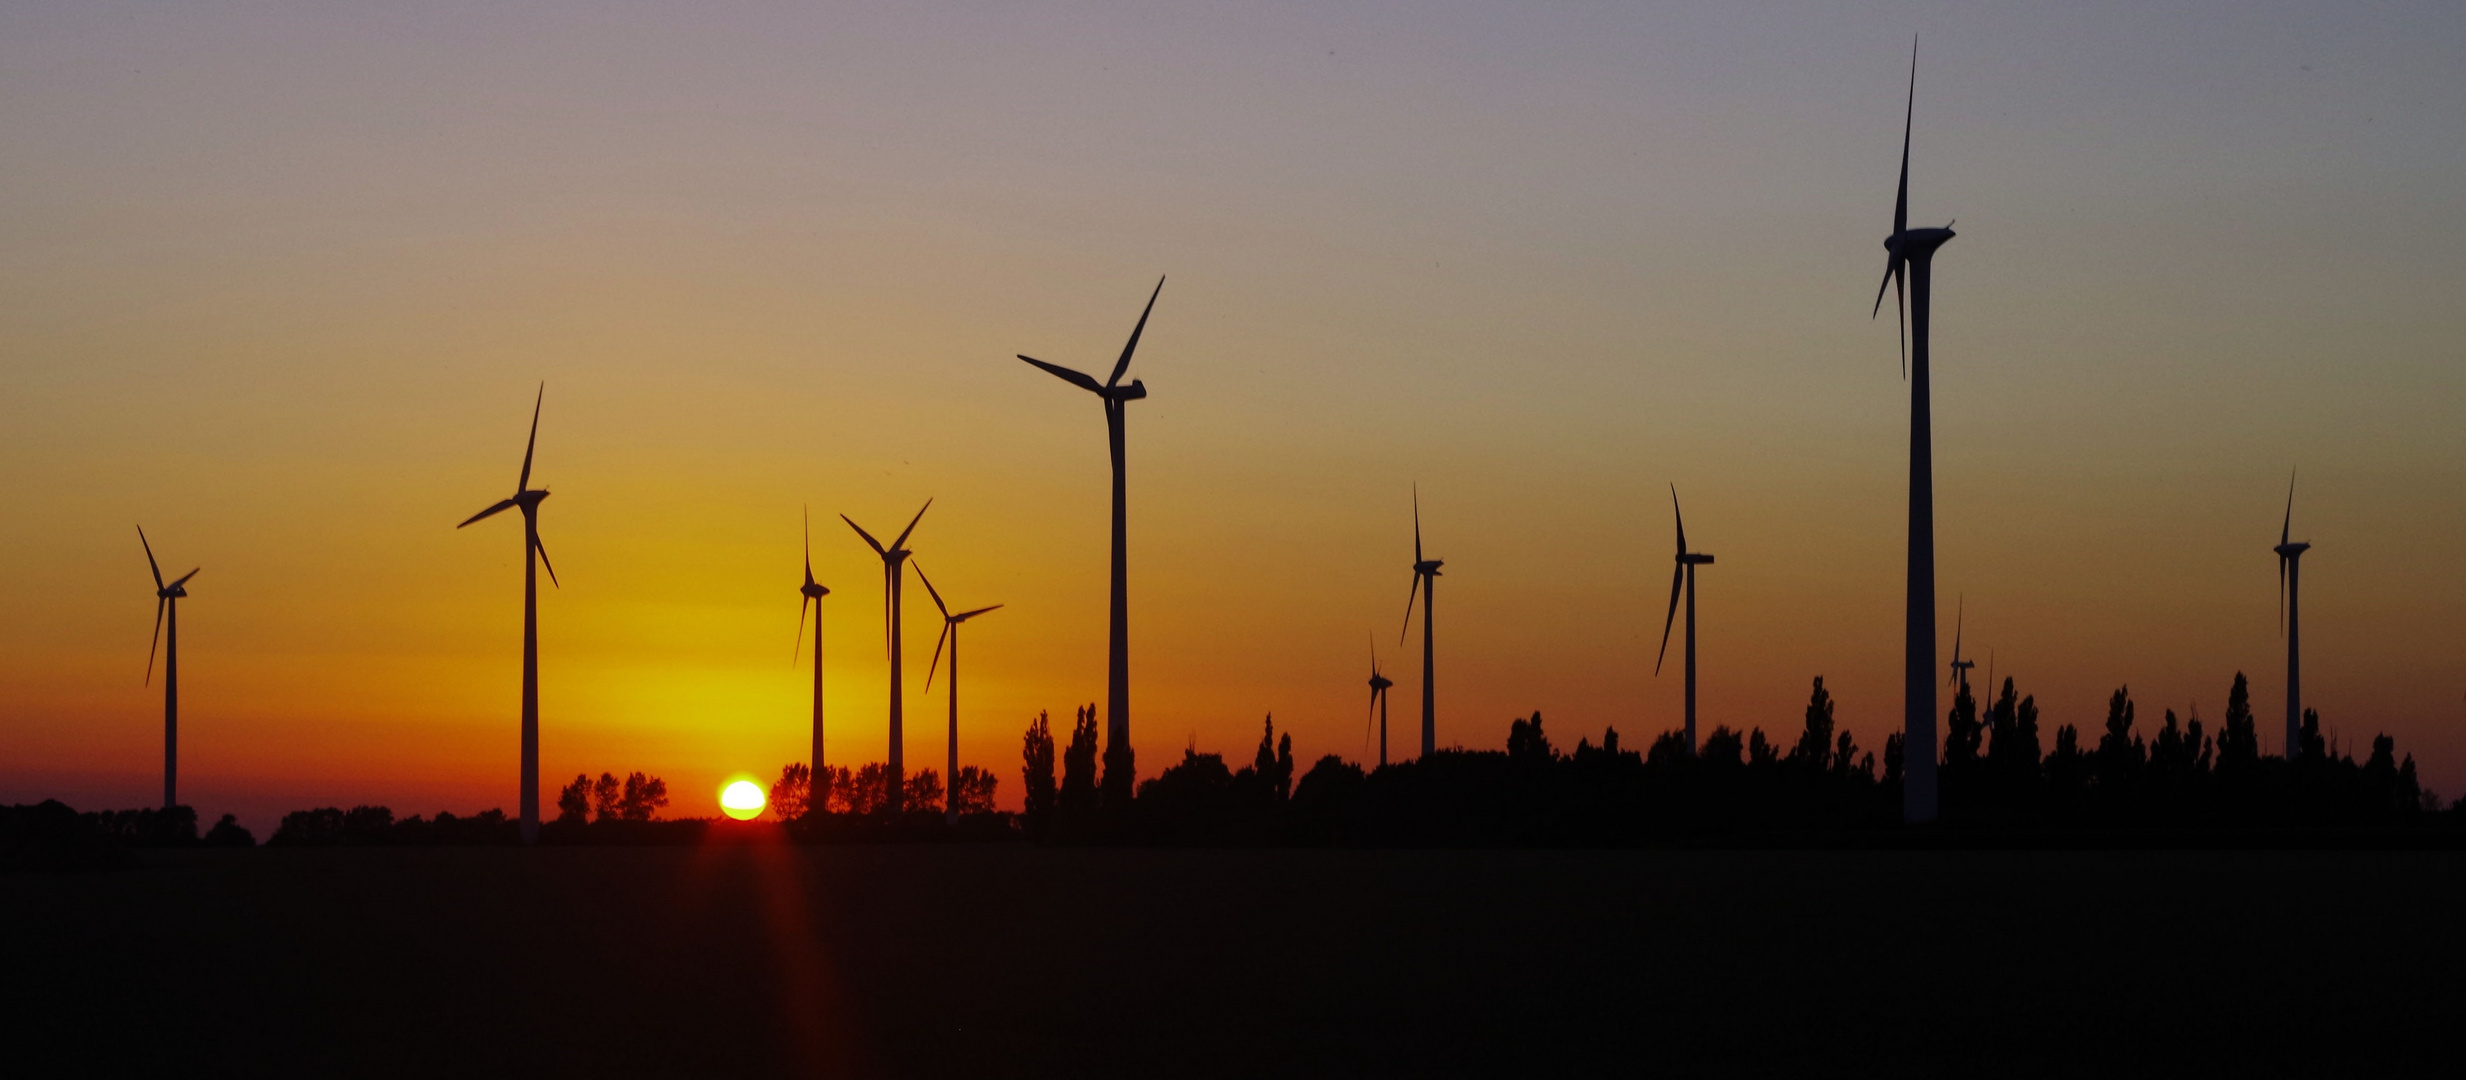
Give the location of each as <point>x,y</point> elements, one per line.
<point>1682,519</point>
<point>947,627</point>
<point>930,591</point>
<point>1123,364</point>
<point>158,638</point>
<point>524,484</point>
<point>1417,523</point>
<point>150,563</point>
<point>1066,375</point>
<point>501,507</point>
<point>903,533</point>
<point>1678,580</point>
<point>541,546</point>
<point>2281,594</point>
<point>802,603</point>
<point>2287,528</point>
<point>184,578</point>
<point>1900,203</point>
<point>966,615</point>
<point>876,545</point>
<point>1409,597</point>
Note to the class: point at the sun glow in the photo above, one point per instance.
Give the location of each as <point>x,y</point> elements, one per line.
<point>741,799</point>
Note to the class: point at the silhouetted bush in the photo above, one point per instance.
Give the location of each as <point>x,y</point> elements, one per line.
<point>375,826</point>
<point>229,833</point>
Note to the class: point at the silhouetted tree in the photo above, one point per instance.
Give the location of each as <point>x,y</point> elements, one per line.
<point>2120,753</point>
<point>1962,736</point>
<point>971,792</point>
<point>574,802</point>
<point>2238,740</point>
<point>868,790</point>
<point>643,798</point>
<point>923,792</point>
<point>1080,797</point>
<point>1041,792</point>
<point>1895,758</point>
<point>1526,743</point>
<point>2310,746</point>
<point>607,798</point>
<point>1761,753</point>
<point>229,833</point>
<point>792,793</point>
<point>1814,749</point>
<point>1274,763</point>
<point>1722,749</point>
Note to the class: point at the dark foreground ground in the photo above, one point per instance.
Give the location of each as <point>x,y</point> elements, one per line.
<point>755,959</point>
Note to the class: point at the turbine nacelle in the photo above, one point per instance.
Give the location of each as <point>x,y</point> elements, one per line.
<point>1429,567</point>
<point>2289,551</point>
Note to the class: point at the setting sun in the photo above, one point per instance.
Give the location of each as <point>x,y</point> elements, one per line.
<point>742,799</point>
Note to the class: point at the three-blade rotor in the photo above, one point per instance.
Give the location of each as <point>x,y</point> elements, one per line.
<point>163,596</point>
<point>950,623</point>
<point>1678,578</point>
<point>524,497</point>
<point>1111,389</point>
<point>1897,259</point>
<point>892,556</point>
<point>811,592</point>
<point>1422,568</point>
<point>1960,667</point>
<point>2287,550</point>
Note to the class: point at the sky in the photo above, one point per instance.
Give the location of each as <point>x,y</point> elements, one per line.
<point>279,283</point>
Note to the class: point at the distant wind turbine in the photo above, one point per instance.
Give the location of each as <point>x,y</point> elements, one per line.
<point>1960,667</point>
<point>1683,578</point>
<point>950,633</point>
<point>1912,253</point>
<point>1425,584</point>
<point>528,500</point>
<point>1378,699</point>
<point>167,610</point>
<point>894,560</point>
<point>2290,611</point>
<point>813,592</point>
<point>1116,398</point>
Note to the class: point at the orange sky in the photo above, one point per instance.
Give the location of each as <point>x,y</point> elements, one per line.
<point>280,287</point>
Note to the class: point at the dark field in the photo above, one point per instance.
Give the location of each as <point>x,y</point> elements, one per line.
<point>754,959</point>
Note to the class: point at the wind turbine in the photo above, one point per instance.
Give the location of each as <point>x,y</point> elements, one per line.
<point>813,592</point>
<point>1425,583</point>
<point>1378,699</point>
<point>1683,578</point>
<point>2290,621</point>
<point>1911,253</point>
<point>950,632</point>
<point>528,500</point>
<point>894,558</point>
<point>167,605</point>
<point>1960,667</point>
<point>1116,398</point>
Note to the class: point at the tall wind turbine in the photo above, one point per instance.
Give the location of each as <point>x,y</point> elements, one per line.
<point>528,500</point>
<point>894,560</point>
<point>813,592</point>
<point>1683,578</point>
<point>1116,398</point>
<point>2290,608</point>
<point>167,606</point>
<point>1960,667</point>
<point>950,633</point>
<point>1378,699</point>
<point>1912,254</point>
<point>1425,584</point>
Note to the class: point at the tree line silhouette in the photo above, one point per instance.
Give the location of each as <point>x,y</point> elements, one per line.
<point>2000,777</point>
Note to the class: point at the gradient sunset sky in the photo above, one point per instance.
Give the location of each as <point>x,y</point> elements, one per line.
<point>278,281</point>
